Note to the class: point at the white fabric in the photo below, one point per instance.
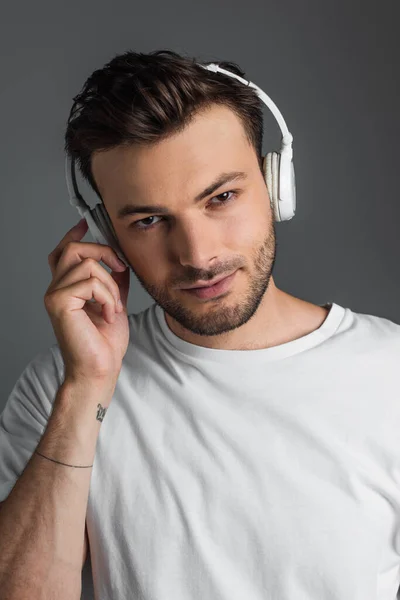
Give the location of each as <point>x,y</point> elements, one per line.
<point>269,474</point>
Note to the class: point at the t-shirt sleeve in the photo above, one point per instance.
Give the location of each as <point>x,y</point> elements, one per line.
<point>26,414</point>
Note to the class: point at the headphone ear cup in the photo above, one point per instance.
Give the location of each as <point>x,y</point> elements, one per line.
<point>103,224</point>
<point>275,177</point>
<point>271,173</point>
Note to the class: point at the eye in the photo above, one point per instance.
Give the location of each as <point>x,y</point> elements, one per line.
<point>136,224</point>
<point>142,226</point>
<point>223,194</point>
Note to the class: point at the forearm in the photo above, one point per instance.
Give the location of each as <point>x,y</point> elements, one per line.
<point>42,522</point>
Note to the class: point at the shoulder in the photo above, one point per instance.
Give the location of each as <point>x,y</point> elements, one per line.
<point>375,333</point>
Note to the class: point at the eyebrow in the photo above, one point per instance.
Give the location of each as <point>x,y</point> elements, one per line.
<point>132,209</point>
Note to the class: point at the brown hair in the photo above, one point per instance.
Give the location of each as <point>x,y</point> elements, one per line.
<point>139,98</point>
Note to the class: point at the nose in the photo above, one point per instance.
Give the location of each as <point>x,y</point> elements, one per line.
<point>196,243</point>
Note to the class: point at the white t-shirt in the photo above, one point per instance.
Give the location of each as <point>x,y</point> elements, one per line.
<point>269,474</point>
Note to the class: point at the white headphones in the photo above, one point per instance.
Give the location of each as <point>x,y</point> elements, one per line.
<point>278,172</point>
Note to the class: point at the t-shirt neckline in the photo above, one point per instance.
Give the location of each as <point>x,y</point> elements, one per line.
<point>242,357</point>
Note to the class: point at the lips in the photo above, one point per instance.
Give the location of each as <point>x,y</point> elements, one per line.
<point>207,284</point>
<point>215,291</point>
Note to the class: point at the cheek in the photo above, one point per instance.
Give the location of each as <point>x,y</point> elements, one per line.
<point>149,269</point>
<point>244,231</point>
<point>136,254</point>
<point>248,225</point>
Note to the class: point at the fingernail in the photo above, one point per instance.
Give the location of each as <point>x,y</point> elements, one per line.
<point>120,263</point>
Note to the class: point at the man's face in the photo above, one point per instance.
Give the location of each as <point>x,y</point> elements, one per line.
<point>231,229</point>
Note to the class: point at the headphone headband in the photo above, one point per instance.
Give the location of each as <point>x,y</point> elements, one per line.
<point>279,169</point>
<point>287,137</point>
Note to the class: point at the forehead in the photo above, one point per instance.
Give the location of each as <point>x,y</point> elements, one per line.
<point>214,141</point>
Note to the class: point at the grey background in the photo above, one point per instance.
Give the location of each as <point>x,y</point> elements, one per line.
<point>332,69</point>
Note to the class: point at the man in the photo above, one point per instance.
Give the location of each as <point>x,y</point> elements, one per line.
<point>251,447</point>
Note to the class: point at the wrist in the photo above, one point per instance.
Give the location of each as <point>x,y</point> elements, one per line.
<point>81,406</point>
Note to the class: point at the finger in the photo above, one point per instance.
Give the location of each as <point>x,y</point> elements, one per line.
<point>123,281</point>
<point>74,297</point>
<point>76,233</point>
<point>89,267</point>
<point>75,252</point>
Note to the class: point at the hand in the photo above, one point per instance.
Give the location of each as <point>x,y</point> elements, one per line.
<point>93,336</point>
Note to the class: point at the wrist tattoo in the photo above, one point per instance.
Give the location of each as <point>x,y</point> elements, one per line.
<point>101,412</point>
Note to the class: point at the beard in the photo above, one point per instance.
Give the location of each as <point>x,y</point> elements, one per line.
<point>223,313</point>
